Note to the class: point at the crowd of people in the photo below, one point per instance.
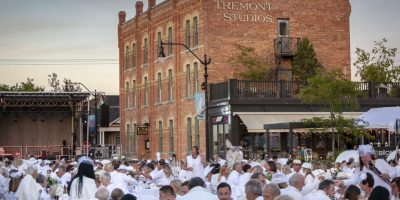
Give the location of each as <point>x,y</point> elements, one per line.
<point>274,178</point>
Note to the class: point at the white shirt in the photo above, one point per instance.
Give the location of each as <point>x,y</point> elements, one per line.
<point>44,195</point>
<point>292,192</point>
<point>122,181</point>
<point>382,166</point>
<point>318,195</point>
<point>233,178</point>
<point>156,176</point>
<point>199,193</point>
<point>28,188</point>
<point>243,179</point>
<point>2,184</point>
<point>195,163</point>
<point>88,189</point>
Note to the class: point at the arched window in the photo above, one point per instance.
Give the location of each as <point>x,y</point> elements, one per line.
<point>159,87</point>
<point>146,52</point>
<point>146,91</point>
<point>187,33</point>
<point>195,32</point>
<point>134,55</point>
<point>189,134</point>
<point>160,127</point>
<point>170,84</point>
<point>187,80</point>
<point>171,135</point>
<point>195,76</point>
<point>169,40</point>
<point>127,57</point>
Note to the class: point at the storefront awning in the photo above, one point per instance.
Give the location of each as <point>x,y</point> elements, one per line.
<point>255,121</point>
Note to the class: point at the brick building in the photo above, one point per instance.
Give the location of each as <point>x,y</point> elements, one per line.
<point>157,99</point>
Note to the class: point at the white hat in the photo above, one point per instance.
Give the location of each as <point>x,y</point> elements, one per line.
<point>318,172</point>
<point>86,160</point>
<point>207,170</point>
<point>123,167</point>
<point>279,178</point>
<point>222,162</point>
<point>306,166</point>
<point>366,150</point>
<point>296,162</point>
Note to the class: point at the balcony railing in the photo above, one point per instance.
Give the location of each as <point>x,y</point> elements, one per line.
<point>244,89</point>
<point>285,46</point>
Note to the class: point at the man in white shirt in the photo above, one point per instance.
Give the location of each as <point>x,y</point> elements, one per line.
<point>234,176</point>
<point>28,188</point>
<point>105,181</point>
<point>295,168</point>
<point>42,180</point>
<point>152,175</point>
<point>296,183</point>
<point>270,191</point>
<point>198,191</point>
<point>253,189</point>
<point>326,191</point>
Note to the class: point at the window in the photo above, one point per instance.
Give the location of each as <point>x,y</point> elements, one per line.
<point>160,136</point>
<point>283,28</point>
<point>158,44</point>
<point>128,129</point>
<point>159,87</point>
<point>134,93</point>
<point>145,51</point>
<point>187,80</point>
<point>170,84</point>
<point>195,32</point>
<point>146,91</point>
<point>117,139</point>
<point>171,135</point>
<point>169,40</point>
<point>189,133</point>
<point>134,138</point>
<point>134,55</point>
<point>127,95</point>
<point>196,76</point>
<point>197,132</point>
<point>127,57</point>
<point>188,33</point>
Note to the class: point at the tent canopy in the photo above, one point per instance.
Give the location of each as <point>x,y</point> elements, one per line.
<point>380,118</point>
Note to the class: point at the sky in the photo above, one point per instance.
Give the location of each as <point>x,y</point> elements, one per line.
<point>77,39</point>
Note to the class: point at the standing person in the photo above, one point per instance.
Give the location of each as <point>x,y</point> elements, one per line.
<point>378,168</point>
<point>83,184</point>
<point>296,183</point>
<point>194,163</point>
<point>28,188</point>
<point>198,191</point>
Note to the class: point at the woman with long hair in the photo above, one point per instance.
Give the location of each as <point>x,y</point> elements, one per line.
<point>308,175</point>
<point>194,163</point>
<point>380,170</point>
<point>83,184</point>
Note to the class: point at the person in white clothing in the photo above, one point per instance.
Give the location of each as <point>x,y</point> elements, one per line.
<point>295,168</point>
<point>244,178</point>
<point>3,180</point>
<point>378,168</point>
<point>224,191</point>
<point>296,183</point>
<point>198,191</point>
<point>83,185</point>
<point>151,174</point>
<point>253,189</point>
<point>270,191</point>
<point>326,191</point>
<point>194,163</point>
<point>28,188</point>
<point>233,178</point>
<point>105,181</point>
<point>42,181</point>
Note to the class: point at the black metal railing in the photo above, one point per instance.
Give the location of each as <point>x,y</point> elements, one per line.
<point>245,89</point>
<point>285,46</point>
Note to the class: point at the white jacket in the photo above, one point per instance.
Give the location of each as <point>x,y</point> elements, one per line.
<point>199,193</point>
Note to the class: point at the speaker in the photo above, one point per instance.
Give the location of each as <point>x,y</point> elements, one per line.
<point>104,115</point>
<point>64,143</point>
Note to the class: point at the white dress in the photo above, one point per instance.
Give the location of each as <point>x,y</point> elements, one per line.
<point>88,189</point>
<point>195,163</point>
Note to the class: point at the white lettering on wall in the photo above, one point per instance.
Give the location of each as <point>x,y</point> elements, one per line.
<point>229,8</point>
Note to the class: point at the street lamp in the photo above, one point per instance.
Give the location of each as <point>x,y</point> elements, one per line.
<point>95,114</point>
<point>204,85</point>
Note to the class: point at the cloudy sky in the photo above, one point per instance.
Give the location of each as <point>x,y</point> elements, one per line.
<point>77,39</point>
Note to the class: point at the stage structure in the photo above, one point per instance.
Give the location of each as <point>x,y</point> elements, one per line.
<point>43,124</point>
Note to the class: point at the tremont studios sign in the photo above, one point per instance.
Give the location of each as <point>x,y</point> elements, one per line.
<point>236,11</point>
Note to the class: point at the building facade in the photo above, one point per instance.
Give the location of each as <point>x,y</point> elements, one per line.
<point>157,98</point>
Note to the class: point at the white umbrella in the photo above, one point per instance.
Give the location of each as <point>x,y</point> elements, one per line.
<point>346,155</point>
<point>391,156</point>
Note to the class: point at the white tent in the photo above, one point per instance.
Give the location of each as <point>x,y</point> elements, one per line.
<point>380,118</point>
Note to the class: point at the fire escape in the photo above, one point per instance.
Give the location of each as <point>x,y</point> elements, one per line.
<point>285,48</point>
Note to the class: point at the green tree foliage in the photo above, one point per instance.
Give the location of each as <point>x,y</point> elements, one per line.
<point>67,86</point>
<point>256,68</point>
<point>332,90</point>
<point>27,86</point>
<point>379,65</point>
<point>305,63</point>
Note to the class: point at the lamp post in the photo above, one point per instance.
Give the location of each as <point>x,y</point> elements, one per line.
<point>204,86</point>
<point>95,114</point>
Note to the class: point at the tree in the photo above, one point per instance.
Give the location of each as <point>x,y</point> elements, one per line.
<point>68,85</point>
<point>333,91</point>
<point>379,65</point>
<point>27,86</point>
<point>255,67</point>
<point>305,63</point>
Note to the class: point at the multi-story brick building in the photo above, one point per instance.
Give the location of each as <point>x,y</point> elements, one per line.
<point>157,99</point>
